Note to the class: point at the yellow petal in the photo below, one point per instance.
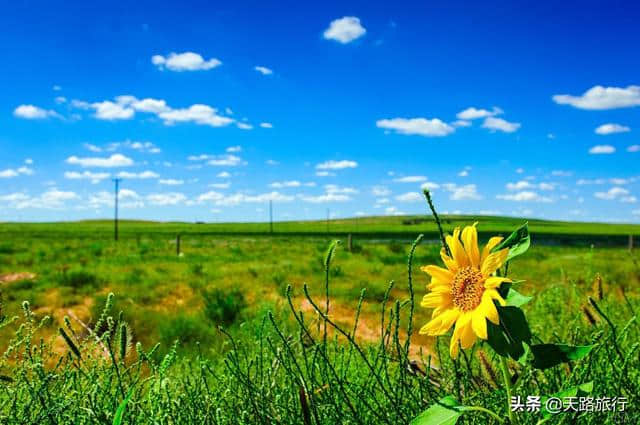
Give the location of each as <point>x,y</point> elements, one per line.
<point>494,261</point>
<point>440,324</point>
<point>438,273</point>
<point>432,300</point>
<point>489,309</point>
<point>467,337</point>
<point>495,295</point>
<point>479,323</point>
<point>495,282</point>
<point>493,242</point>
<point>461,323</point>
<point>457,250</point>
<point>448,261</point>
<point>453,346</point>
<point>470,239</point>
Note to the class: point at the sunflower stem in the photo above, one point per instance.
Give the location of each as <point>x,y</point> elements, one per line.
<point>507,384</point>
<point>427,195</point>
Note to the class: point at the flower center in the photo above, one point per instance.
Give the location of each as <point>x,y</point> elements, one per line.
<point>467,288</point>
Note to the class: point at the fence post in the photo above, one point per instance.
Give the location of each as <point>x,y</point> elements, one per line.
<point>178,244</point>
<point>630,242</point>
<point>349,242</point>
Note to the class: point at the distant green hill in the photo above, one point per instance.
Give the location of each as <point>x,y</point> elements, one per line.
<point>369,227</point>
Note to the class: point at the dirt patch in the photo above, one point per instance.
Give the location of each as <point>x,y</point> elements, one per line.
<point>368,329</point>
<point>175,300</point>
<point>16,277</point>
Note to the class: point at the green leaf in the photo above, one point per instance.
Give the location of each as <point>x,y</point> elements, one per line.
<point>508,337</point>
<point>518,242</point>
<point>117,419</point>
<point>581,390</point>
<point>549,355</point>
<point>444,412</point>
<point>516,299</point>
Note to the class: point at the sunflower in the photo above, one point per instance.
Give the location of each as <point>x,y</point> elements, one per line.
<point>463,294</point>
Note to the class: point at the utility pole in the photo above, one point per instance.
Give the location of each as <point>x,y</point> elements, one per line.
<point>270,216</point>
<point>115,219</point>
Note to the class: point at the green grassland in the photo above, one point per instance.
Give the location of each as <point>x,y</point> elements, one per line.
<point>407,226</point>
<point>238,278</point>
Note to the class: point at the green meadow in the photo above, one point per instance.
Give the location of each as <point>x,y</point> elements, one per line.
<point>229,328</point>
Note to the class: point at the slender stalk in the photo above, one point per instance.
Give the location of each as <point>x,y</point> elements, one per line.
<point>427,195</point>
<point>507,385</point>
<point>487,411</point>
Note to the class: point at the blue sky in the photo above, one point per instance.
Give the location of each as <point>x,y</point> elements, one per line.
<point>208,111</point>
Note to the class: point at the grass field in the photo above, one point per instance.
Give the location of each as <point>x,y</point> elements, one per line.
<point>236,280</point>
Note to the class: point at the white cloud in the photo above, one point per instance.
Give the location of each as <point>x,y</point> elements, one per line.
<point>86,175</point>
<point>524,196</point>
<point>210,196</point>
<point>463,173</point>
<point>240,198</point>
<point>244,126</point>
<point>60,99</point>
<point>234,149</point>
<point>409,197</point>
<point>525,184</point>
<point>290,183</point>
<point>187,61</point>
<point>336,165</point>
<point>599,97</point>
<point>498,124</point>
<point>615,193</point>
<point>380,191</point>
<point>226,161</point>
<point>327,197</point>
<point>633,148</point>
<point>226,185</point>
<point>111,111</point>
<point>474,113</point>
<point>10,172</point>
<point>416,126</point>
<point>223,175</point>
<point>126,106</point>
<point>332,188</point>
<point>171,182</point>
<point>611,128</point>
<point>561,173</point>
<point>393,211</point>
<point>115,160</point>
<point>127,198</point>
<point>150,105</point>
<point>266,125</point>
<point>271,162</point>
<point>429,186</point>
<point>344,30</point>
<point>324,174</point>
<point>468,192</point>
<point>141,175</point>
<point>92,148</point>
<point>410,179</point>
<point>51,199</point>
<point>170,198</point>
<point>461,123</point>
<point>198,113</point>
<point>602,149</point>
<point>263,70</point>
<point>32,112</point>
